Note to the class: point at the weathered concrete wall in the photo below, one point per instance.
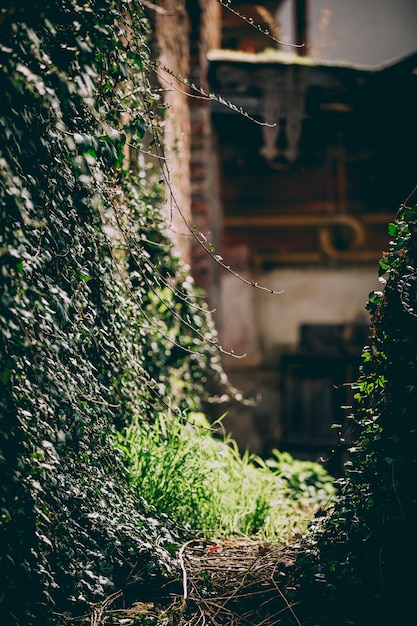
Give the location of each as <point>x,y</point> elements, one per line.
<point>259,324</point>
<point>265,327</point>
<point>325,296</point>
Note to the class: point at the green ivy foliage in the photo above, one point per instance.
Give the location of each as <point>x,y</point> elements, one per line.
<point>365,552</point>
<point>96,311</point>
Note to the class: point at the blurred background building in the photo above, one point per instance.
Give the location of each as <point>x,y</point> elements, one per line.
<point>299,202</point>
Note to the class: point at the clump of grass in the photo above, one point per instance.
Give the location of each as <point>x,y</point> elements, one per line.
<point>205,485</point>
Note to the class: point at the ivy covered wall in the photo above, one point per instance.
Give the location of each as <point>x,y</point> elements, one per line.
<point>98,318</point>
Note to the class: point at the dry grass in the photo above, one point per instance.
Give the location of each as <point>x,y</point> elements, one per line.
<point>241,583</point>
<point>233,583</point>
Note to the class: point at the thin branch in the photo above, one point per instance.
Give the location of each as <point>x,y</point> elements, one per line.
<point>204,95</point>
<point>153,7</point>
<point>253,24</point>
<point>289,607</point>
<point>174,313</point>
<point>201,240</point>
<point>409,197</point>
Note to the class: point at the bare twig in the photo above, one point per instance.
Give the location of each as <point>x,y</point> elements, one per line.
<point>184,571</point>
<point>289,607</point>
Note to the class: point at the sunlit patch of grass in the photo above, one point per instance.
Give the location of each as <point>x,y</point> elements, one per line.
<point>205,485</point>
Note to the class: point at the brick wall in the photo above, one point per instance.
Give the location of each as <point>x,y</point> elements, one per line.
<point>184,32</point>
<point>205,207</point>
<point>172,31</point>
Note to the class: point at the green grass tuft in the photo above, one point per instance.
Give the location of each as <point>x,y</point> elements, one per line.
<point>205,485</point>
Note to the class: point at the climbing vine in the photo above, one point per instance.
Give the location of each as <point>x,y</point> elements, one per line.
<point>359,560</point>
<point>98,317</point>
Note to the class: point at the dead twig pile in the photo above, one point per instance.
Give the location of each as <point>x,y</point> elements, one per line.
<point>232,583</point>
<point>238,583</point>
